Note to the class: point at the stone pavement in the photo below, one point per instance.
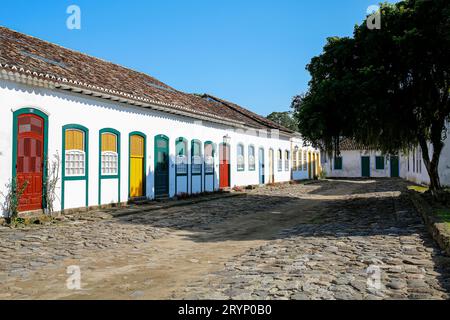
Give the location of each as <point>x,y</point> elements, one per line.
<point>326,240</point>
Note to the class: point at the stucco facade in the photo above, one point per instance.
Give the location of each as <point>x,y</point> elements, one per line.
<point>95,114</point>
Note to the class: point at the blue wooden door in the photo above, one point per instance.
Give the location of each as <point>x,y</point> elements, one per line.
<point>261,166</point>
<point>161,166</point>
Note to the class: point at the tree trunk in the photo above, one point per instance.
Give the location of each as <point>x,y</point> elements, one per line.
<point>432,165</point>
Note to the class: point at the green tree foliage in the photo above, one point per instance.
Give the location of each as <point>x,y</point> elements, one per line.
<point>284,119</point>
<point>386,88</point>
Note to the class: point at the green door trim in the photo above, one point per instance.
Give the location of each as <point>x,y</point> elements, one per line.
<point>185,141</point>
<point>362,166</point>
<point>144,186</point>
<point>213,173</point>
<point>107,177</point>
<point>166,138</point>
<point>16,114</point>
<point>196,141</point>
<point>397,166</point>
<point>64,178</point>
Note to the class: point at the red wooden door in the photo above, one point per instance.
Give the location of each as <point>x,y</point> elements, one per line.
<point>30,160</point>
<point>224,166</point>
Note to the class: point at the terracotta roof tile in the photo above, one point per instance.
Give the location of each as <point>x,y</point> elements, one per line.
<point>32,56</point>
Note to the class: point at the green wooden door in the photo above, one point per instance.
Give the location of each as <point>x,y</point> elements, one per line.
<point>161,166</point>
<point>395,171</point>
<point>365,167</point>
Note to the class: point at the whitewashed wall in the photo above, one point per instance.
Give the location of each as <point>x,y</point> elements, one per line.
<point>417,172</point>
<point>95,114</point>
<point>302,171</point>
<point>351,165</point>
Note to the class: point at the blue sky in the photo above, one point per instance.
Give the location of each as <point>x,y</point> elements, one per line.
<point>252,52</point>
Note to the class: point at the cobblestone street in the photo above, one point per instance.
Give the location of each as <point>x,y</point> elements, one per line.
<point>326,240</point>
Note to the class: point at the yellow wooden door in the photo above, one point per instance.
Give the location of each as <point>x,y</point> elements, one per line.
<point>136,166</point>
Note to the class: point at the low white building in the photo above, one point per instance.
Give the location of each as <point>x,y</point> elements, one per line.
<point>413,167</point>
<point>357,161</point>
<point>305,160</point>
<point>121,134</point>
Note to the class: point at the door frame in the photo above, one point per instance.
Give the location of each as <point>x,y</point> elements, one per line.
<point>228,148</point>
<point>214,164</point>
<point>271,165</point>
<point>144,171</point>
<point>398,166</point>
<point>362,168</point>
<point>155,149</point>
<point>261,168</point>
<point>119,163</point>
<point>64,178</point>
<point>44,116</point>
<point>196,141</point>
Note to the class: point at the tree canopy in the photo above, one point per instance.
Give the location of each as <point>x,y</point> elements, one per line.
<point>386,88</point>
<point>284,119</point>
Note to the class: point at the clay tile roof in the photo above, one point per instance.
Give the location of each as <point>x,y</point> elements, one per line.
<point>350,144</point>
<point>242,113</point>
<point>34,57</point>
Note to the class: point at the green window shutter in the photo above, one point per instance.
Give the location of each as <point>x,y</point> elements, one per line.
<point>379,163</point>
<point>338,163</point>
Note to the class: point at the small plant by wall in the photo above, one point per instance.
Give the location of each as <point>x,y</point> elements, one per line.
<point>51,181</point>
<point>14,192</point>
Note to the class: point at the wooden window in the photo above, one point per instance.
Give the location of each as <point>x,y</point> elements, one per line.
<point>286,160</point>
<point>110,155</point>
<point>75,153</point>
<point>280,160</point>
<point>294,161</point>
<point>251,158</point>
<point>181,156</point>
<point>196,157</point>
<point>337,163</point>
<point>240,157</point>
<point>305,161</point>
<point>379,162</point>
<point>209,158</point>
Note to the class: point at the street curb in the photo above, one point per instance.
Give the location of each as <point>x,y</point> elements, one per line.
<point>436,229</point>
<point>179,203</point>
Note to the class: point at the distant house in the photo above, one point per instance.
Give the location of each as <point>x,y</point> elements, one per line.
<point>413,167</point>
<point>122,134</point>
<point>358,161</point>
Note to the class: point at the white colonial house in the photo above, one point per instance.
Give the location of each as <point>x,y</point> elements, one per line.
<point>357,161</point>
<point>122,134</point>
<point>413,168</point>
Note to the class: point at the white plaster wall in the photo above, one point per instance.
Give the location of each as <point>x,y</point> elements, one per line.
<point>301,173</point>
<point>77,200</point>
<point>351,165</point>
<point>420,175</point>
<point>69,108</point>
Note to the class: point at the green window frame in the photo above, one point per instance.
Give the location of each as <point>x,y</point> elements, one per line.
<point>338,163</point>
<point>102,176</point>
<point>64,176</point>
<point>251,158</point>
<point>209,157</point>
<point>240,157</point>
<point>286,160</point>
<point>181,157</point>
<point>379,162</point>
<point>196,157</point>
<point>280,160</point>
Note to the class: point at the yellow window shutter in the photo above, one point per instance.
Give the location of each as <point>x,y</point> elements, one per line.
<point>74,140</point>
<point>109,142</point>
<point>137,146</point>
